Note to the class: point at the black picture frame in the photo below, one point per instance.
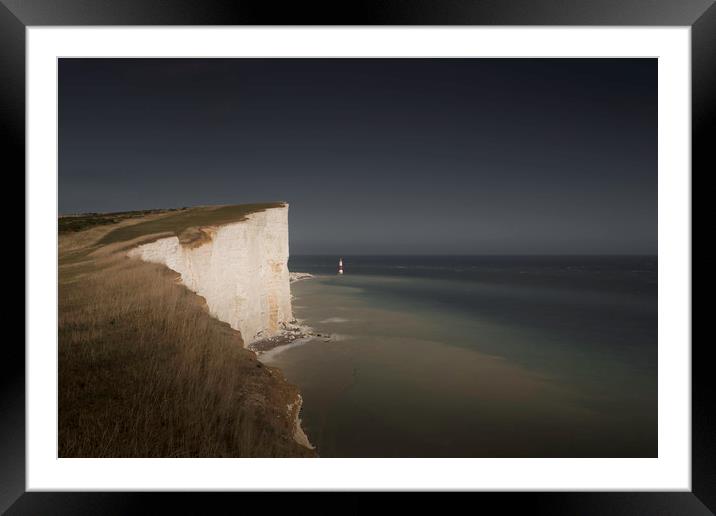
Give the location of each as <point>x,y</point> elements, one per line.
<point>16,15</point>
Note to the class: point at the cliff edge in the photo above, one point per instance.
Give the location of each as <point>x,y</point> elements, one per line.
<point>240,268</point>
<point>152,357</point>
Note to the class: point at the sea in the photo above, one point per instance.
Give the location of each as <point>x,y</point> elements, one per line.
<point>476,356</point>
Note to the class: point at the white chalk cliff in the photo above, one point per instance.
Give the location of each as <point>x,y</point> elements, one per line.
<point>241,270</point>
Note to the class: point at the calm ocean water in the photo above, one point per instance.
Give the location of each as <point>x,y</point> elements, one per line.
<point>477,356</point>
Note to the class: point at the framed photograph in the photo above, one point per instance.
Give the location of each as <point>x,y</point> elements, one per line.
<point>443,247</point>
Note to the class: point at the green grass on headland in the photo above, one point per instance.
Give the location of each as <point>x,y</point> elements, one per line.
<point>181,221</point>
<point>75,223</point>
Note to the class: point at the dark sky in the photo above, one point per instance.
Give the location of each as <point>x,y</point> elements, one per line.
<point>395,156</point>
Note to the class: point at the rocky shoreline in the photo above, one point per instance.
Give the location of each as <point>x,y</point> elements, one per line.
<point>290,331</point>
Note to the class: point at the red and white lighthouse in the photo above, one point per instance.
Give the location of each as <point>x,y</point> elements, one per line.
<point>340,266</point>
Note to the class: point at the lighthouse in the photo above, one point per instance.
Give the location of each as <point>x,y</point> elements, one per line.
<point>340,266</point>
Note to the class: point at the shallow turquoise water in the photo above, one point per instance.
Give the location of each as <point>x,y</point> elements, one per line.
<point>478,364</point>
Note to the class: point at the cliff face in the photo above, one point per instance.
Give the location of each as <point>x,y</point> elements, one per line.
<point>239,268</point>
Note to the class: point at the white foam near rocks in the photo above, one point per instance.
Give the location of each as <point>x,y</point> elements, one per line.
<point>269,355</point>
<point>335,320</point>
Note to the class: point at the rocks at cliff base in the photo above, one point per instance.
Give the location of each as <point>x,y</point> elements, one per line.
<point>288,333</point>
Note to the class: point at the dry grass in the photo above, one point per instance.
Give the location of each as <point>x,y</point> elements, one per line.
<point>144,371</point>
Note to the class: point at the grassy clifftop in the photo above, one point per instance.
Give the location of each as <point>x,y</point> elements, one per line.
<point>182,222</point>
<point>144,370</point>
<point>177,221</point>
